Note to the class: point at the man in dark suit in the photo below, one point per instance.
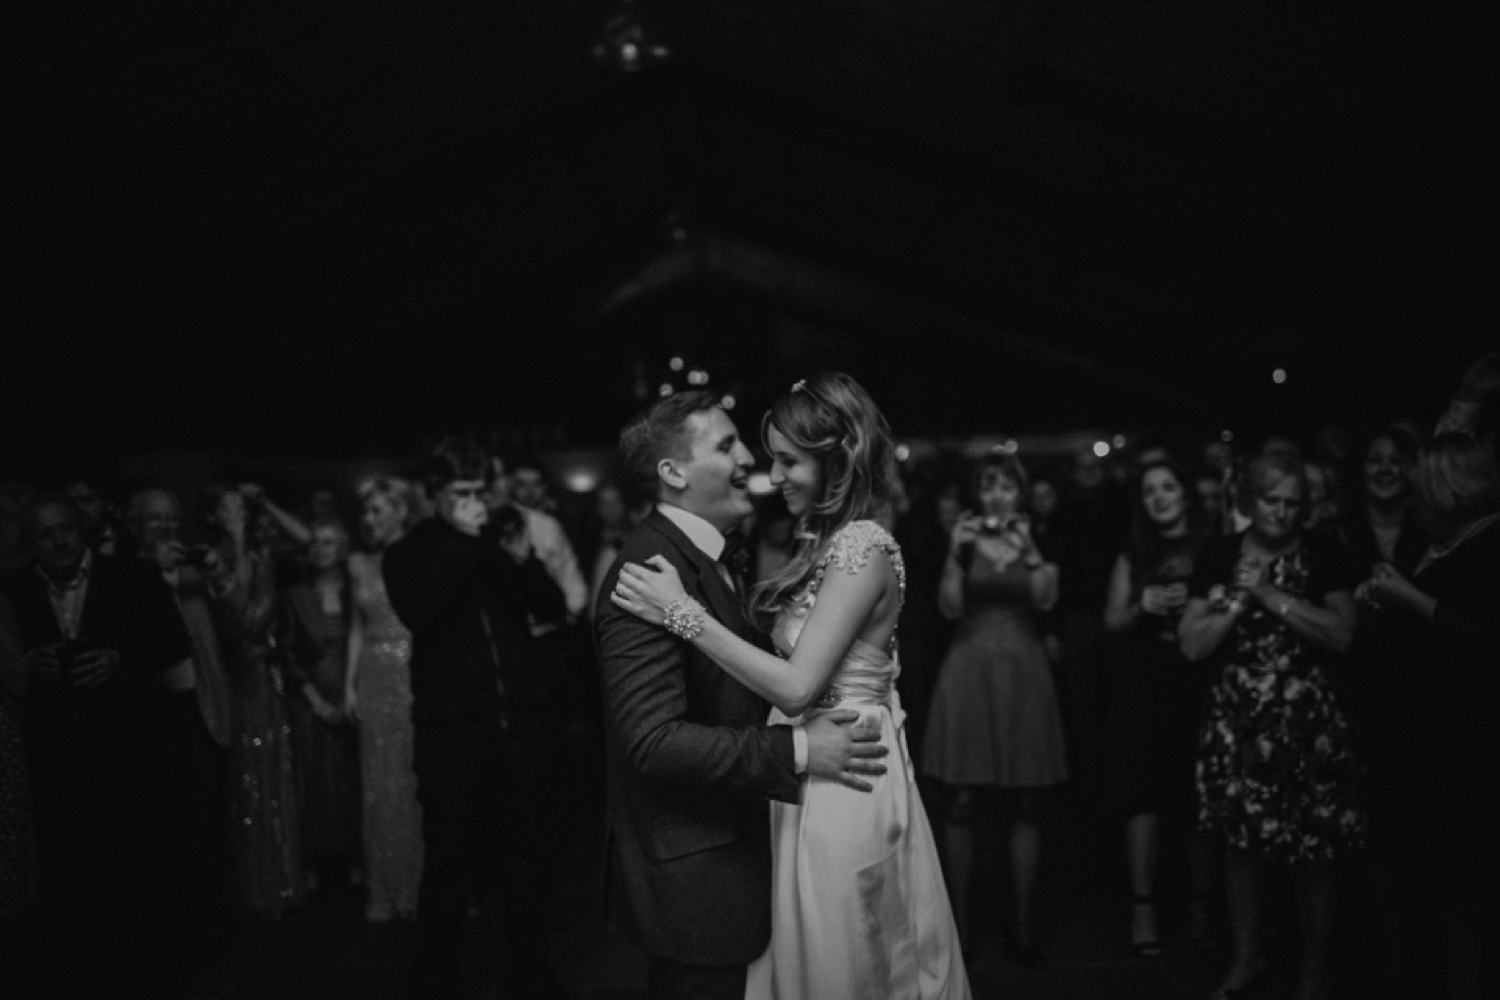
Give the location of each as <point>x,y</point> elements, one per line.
<point>691,763</point>
<point>99,632</point>
<point>487,751</point>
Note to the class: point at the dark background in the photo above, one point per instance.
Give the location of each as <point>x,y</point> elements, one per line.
<point>330,227</point>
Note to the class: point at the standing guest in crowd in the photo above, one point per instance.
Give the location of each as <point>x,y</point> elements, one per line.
<point>98,632</point>
<point>1155,695</point>
<point>1475,407</point>
<point>1325,498</point>
<point>460,596</point>
<point>378,696</point>
<point>1043,504</point>
<point>1208,486</point>
<point>1084,539</point>
<point>315,622</point>
<point>13,498</point>
<point>527,487</point>
<point>18,872</point>
<point>995,721</point>
<point>96,514</point>
<point>1448,611</point>
<point>266,837</point>
<point>613,520</point>
<point>1278,780</point>
<point>198,695</point>
<point>1383,530</point>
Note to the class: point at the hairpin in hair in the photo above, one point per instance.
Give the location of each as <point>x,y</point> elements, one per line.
<point>801,384</point>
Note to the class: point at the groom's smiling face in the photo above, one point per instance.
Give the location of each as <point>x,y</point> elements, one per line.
<point>716,470</point>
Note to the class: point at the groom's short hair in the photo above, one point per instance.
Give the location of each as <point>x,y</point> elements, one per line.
<point>658,432</point>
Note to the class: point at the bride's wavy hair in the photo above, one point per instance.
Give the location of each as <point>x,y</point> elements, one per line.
<point>830,417</point>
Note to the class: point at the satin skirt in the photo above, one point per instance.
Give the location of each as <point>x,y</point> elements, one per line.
<point>859,908</point>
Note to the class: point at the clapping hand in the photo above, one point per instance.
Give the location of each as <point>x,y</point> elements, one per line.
<point>646,592</point>
<point>1161,599</point>
<point>1387,587</point>
<point>94,667</point>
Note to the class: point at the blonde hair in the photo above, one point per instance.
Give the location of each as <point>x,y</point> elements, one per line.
<point>393,491</point>
<point>1456,478</point>
<point>831,418</point>
<point>1264,472</point>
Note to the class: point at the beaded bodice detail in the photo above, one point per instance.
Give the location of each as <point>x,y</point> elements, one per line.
<point>867,673</point>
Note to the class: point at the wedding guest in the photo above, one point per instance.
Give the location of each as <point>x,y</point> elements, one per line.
<point>459,594</point>
<point>266,838</point>
<point>96,514</point>
<point>1155,696</point>
<point>1475,407</point>
<point>1325,498</point>
<point>994,721</point>
<point>1384,530</point>
<point>1449,613</point>
<point>1208,485</point>
<point>98,633</point>
<point>315,623</point>
<point>378,695</point>
<point>18,871</point>
<point>613,519</point>
<point>13,498</point>
<point>771,541</point>
<point>197,723</point>
<point>1084,538</point>
<point>528,491</point>
<point>1277,776</point>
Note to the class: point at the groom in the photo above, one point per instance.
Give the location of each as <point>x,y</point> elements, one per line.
<point>691,762</point>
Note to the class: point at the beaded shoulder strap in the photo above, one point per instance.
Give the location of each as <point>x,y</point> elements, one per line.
<point>850,549</point>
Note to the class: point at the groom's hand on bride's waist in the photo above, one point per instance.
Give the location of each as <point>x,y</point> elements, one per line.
<point>839,749</point>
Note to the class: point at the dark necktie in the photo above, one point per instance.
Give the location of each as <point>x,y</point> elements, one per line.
<point>736,559</point>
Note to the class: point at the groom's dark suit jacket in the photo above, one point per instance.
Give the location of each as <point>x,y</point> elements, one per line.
<point>691,765</point>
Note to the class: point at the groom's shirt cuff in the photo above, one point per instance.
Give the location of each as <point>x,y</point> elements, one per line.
<point>799,749</point>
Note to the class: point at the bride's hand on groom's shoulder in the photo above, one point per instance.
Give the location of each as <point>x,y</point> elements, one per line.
<point>841,750</point>
<point>646,591</point>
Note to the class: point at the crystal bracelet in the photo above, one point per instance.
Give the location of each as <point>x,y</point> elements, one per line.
<point>684,618</point>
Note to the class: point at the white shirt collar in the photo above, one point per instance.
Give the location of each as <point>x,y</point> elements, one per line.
<point>708,539</point>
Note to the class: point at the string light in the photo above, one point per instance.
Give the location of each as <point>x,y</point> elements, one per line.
<point>675,364</point>
<point>1278,376</point>
<point>665,389</point>
<point>727,402</point>
<point>1101,448</point>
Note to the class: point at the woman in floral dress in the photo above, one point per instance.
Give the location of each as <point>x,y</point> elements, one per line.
<point>1277,773</point>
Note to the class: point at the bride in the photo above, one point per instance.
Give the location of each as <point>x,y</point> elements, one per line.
<point>858,903</point>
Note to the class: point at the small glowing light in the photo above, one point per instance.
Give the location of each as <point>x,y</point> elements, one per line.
<point>760,484</point>
<point>1101,448</point>
<point>1226,436</point>
<point>665,389</point>
<point>581,480</point>
<point>902,453</point>
<point>1118,441</point>
<point>1010,446</point>
<point>1278,376</point>
<point>727,402</point>
<point>675,364</point>
<point>679,234</point>
<point>697,377</point>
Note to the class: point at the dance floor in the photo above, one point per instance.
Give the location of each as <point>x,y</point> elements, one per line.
<point>326,951</point>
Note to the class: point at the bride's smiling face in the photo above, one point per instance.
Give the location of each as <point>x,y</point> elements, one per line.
<point>793,471</point>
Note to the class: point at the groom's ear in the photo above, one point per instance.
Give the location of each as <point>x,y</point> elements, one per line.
<point>670,472</point>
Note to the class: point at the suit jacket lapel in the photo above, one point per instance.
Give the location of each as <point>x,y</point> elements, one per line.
<point>710,586</point>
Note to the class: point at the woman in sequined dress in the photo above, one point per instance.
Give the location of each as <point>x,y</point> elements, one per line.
<point>264,840</point>
<point>1278,778</point>
<point>378,696</point>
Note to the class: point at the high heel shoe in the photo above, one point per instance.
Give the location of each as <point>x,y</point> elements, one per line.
<point>1028,955</point>
<point>1250,989</point>
<point>1144,948</point>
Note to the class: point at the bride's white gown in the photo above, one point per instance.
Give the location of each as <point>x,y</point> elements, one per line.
<point>859,909</point>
